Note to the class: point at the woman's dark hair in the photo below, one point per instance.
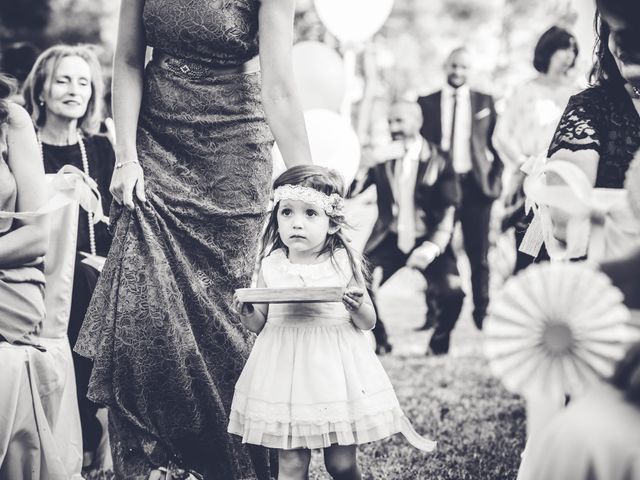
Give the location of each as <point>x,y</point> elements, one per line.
<point>328,182</point>
<point>554,39</point>
<point>7,88</point>
<point>605,71</point>
<point>627,375</point>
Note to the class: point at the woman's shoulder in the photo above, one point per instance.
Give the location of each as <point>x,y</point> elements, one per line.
<point>18,117</point>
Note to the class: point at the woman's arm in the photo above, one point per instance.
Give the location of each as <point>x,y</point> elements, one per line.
<point>128,70</point>
<point>576,140</point>
<point>281,103</point>
<point>30,239</point>
<point>587,161</point>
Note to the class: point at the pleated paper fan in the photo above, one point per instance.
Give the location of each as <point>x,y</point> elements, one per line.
<point>556,327</point>
<point>632,186</point>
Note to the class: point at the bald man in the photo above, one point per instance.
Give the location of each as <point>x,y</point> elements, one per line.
<point>416,193</point>
<point>461,121</point>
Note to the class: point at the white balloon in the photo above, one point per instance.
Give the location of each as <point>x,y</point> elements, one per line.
<point>353,21</point>
<point>334,144</point>
<point>320,77</point>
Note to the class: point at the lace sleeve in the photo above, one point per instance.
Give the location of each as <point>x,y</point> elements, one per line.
<point>579,126</point>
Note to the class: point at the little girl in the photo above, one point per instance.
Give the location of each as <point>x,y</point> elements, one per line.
<point>312,379</point>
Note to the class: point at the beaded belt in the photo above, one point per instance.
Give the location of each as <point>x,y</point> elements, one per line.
<point>195,69</point>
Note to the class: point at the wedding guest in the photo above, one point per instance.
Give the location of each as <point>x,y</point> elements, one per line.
<point>462,121</point>
<point>600,128</point>
<point>532,111</point>
<point>192,184</point>
<point>417,191</point>
<point>23,243</point>
<point>63,94</point>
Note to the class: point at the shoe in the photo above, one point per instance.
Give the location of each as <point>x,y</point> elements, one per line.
<point>432,353</point>
<point>427,325</point>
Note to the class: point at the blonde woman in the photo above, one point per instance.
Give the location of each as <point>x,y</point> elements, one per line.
<point>63,93</point>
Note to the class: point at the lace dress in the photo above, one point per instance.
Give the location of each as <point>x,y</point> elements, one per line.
<point>597,119</point>
<point>166,343</point>
<point>313,379</point>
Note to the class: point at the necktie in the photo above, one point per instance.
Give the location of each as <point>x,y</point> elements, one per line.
<point>453,124</point>
<point>406,208</point>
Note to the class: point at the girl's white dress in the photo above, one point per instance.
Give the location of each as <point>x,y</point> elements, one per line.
<point>313,379</point>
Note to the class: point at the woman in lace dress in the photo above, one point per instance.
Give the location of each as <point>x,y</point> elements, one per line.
<point>600,128</point>
<point>193,171</point>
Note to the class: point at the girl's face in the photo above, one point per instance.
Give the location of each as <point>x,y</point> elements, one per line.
<point>303,227</point>
<point>68,91</point>
<point>561,61</point>
<point>629,69</point>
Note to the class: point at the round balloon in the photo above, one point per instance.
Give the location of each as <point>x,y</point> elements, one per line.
<point>353,21</point>
<point>334,144</point>
<point>320,76</point>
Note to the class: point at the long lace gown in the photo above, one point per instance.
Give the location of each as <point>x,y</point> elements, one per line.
<point>166,344</point>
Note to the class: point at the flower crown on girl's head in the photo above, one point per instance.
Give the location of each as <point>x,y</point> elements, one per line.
<point>332,205</point>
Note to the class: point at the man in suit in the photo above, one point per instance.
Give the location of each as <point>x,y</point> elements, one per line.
<point>416,194</point>
<point>461,121</point>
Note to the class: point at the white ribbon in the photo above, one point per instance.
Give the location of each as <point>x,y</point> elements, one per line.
<point>632,185</point>
<point>600,221</point>
<point>68,185</point>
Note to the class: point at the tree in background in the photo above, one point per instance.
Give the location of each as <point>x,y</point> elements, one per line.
<point>29,26</point>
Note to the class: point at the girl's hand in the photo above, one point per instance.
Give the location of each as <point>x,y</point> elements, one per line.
<point>243,309</point>
<point>124,180</point>
<point>353,298</point>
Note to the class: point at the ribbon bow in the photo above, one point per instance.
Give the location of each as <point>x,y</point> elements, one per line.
<point>599,222</point>
<point>68,185</point>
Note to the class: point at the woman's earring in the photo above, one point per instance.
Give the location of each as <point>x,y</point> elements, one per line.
<point>41,103</point>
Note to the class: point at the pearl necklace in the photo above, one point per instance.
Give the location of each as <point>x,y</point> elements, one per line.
<point>636,91</point>
<point>85,168</point>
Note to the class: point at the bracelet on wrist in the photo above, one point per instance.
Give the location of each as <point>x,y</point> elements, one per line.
<point>119,165</point>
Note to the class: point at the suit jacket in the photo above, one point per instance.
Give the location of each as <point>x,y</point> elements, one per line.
<point>487,166</point>
<point>436,194</point>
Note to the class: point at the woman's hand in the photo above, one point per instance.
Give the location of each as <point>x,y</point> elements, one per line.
<point>353,298</point>
<point>125,180</point>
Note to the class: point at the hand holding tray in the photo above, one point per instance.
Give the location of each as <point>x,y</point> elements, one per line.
<point>290,295</point>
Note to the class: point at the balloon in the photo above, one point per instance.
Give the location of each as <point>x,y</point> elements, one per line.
<point>353,21</point>
<point>334,144</point>
<point>319,74</point>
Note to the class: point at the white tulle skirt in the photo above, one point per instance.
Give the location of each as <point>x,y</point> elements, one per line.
<point>315,383</point>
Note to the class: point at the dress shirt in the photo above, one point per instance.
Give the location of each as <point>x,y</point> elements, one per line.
<point>404,184</point>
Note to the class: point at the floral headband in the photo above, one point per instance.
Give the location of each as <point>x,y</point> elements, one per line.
<point>332,205</point>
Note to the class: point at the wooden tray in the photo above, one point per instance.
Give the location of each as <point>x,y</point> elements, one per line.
<point>290,295</point>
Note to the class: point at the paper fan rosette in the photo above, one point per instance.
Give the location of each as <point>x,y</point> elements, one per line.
<point>556,327</point>
<point>632,186</point>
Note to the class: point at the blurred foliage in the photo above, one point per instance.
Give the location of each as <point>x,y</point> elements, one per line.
<point>409,51</point>
<point>46,22</point>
